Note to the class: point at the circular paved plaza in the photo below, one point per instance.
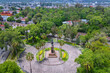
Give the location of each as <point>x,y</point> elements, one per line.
<point>68,67</point>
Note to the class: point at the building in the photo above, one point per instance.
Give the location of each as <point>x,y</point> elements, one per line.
<point>108,38</point>
<point>14,24</point>
<point>2,27</point>
<point>76,22</point>
<point>6,14</point>
<point>68,22</point>
<point>17,11</point>
<point>84,21</point>
<point>23,20</point>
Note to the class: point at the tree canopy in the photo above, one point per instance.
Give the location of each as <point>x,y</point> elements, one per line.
<point>10,67</point>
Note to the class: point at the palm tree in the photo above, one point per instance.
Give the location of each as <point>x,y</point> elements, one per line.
<point>38,46</point>
<point>60,35</point>
<point>30,57</point>
<point>61,44</point>
<point>87,67</point>
<point>15,45</point>
<point>43,44</point>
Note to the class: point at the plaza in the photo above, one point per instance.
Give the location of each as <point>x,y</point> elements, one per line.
<point>46,67</point>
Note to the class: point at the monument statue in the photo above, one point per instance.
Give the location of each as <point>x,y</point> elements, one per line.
<point>52,48</point>
<point>52,54</point>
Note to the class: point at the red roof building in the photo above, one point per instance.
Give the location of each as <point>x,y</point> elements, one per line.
<point>76,21</point>
<point>23,19</point>
<point>6,13</point>
<point>68,22</point>
<point>108,38</point>
<point>2,27</point>
<point>17,11</point>
<point>91,6</point>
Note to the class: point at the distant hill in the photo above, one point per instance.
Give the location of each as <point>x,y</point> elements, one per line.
<point>55,0</point>
<point>15,0</point>
<point>96,0</point>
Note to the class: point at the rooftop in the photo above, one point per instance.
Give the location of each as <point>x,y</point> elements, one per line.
<point>23,19</point>
<point>2,25</point>
<point>6,13</point>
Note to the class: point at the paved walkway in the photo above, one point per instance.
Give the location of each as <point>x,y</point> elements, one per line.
<point>3,55</point>
<point>68,67</point>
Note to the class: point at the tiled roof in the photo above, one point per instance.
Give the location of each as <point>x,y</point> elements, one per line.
<point>108,38</point>
<point>23,19</point>
<point>76,21</point>
<point>6,13</point>
<point>2,25</point>
<point>18,11</point>
<point>68,22</point>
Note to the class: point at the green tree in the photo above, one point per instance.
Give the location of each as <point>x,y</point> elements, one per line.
<point>44,36</point>
<point>1,19</point>
<point>37,18</point>
<point>101,8</point>
<point>9,67</point>
<point>8,37</point>
<point>34,20</point>
<point>78,5</point>
<point>86,61</point>
<point>42,42</point>
<point>1,7</point>
<point>47,25</point>
<point>18,21</point>
<point>34,31</point>
<point>6,25</point>
<point>54,30</point>
<point>96,20</point>
<point>15,46</point>
<point>38,46</point>
<point>12,8</point>
<point>10,19</point>
<point>61,44</point>
<point>88,17</point>
<point>26,21</point>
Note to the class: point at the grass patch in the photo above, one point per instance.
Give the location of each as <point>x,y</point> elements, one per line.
<point>65,56</point>
<point>69,43</point>
<point>47,49</point>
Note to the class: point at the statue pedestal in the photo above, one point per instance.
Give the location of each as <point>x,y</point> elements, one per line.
<point>52,55</point>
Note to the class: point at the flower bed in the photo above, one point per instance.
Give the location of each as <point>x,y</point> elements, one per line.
<point>65,55</point>
<point>41,54</point>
